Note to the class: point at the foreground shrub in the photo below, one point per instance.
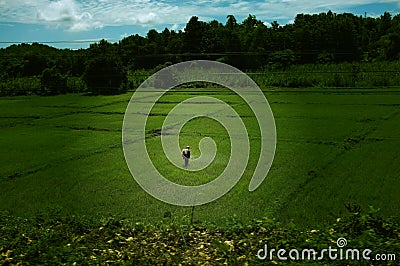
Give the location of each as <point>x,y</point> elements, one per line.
<point>84,240</point>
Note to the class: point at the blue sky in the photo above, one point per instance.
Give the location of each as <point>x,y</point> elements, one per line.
<point>83,21</point>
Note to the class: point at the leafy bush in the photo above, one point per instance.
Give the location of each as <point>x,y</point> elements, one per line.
<point>20,86</point>
<point>82,240</point>
<point>75,85</point>
<point>283,59</point>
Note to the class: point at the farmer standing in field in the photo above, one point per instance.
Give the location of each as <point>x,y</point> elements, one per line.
<point>186,155</point>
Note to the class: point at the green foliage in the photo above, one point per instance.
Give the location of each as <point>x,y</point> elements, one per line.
<point>137,77</point>
<point>104,72</point>
<point>194,32</point>
<point>336,75</point>
<point>82,240</point>
<point>105,75</point>
<point>53,82</point>
<point>325,38</point>
<point>75,85</point>
<point>282,59</point>
<point>20,86</point>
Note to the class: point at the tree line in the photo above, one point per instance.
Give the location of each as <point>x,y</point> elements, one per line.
<point>105,67</point>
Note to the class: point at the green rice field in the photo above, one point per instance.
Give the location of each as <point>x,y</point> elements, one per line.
<point>63,154</point>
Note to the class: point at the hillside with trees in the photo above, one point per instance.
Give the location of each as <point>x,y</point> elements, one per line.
<point>105,68</point>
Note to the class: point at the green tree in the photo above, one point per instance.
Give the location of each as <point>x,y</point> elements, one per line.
<point>34,64</point>
<point>52,82</point>
<point>212,40</point>
<point>283,59</point>
<point>105,75</point>
<point>194,31</point>
<point>104,71</point>
<point>231,23</point>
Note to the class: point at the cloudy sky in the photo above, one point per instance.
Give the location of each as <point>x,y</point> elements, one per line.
<point>75,23</point>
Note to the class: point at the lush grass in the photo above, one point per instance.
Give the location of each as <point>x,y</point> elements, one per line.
<point>64,154</point>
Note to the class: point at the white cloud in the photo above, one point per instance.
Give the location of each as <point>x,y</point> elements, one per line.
<point>60,11</point>
<point>293,7</point>
<point>175,27</point>
<point>145,19</point>
<point>67,13</point>
<point>83,15</point>
<point>124,35</point>
<point>267,24</point>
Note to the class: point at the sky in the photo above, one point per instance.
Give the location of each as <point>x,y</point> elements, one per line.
<point>77,23</point>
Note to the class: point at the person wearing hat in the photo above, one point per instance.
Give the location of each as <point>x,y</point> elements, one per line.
<point>186,155</point>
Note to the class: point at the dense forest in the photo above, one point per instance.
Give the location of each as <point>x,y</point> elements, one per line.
<point>104,67</point>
